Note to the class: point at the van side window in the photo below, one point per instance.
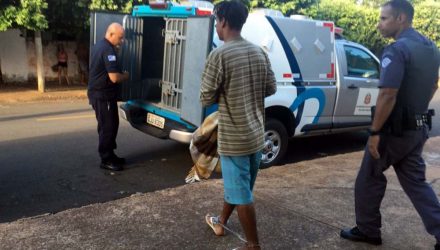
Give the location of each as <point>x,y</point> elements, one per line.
<point>360,63</point>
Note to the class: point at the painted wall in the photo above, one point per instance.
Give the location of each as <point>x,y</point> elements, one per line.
<point>13,56</point>
<point>50,58</point>
<point>18,59</point>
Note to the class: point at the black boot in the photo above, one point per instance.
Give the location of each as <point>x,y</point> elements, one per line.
<point>118,160</point>
<point>111,165</point>
<point>354,234</point>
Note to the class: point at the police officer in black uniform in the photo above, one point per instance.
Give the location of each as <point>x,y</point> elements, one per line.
<point>105,75</point>
<point>408,81</point>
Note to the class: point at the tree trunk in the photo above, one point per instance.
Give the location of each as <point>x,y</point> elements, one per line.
<point>40,64</point>
<point>1,74</point>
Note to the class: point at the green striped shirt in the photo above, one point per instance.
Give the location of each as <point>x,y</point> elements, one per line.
<point>238,77</point>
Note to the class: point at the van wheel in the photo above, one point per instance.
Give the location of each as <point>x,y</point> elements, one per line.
<point>275,143</point>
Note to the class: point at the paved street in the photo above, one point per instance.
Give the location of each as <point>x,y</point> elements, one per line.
<point>49,162</point>
<point>49,165</point>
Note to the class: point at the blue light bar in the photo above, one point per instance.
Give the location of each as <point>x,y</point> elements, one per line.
<point>171,11</point>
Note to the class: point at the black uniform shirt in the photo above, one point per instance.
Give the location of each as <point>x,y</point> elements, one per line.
<point>395,57</point>
<point>103,61</point>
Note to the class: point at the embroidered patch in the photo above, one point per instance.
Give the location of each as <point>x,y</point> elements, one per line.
<point>111,58</point>
<point>385,62</point>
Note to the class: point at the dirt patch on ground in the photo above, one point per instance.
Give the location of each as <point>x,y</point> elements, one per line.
<point>19,93</point>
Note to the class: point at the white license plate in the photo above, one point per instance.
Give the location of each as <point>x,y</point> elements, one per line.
<point>156,120</point>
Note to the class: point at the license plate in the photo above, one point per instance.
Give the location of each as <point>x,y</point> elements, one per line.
<point>156,120</point>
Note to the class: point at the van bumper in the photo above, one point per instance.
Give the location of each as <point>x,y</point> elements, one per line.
<point>137,117</point>
<point>181,136</point>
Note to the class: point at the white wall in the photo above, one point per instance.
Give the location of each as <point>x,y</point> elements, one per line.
<point>50,58</point>
<point>18,59</point>
<point>13,56</point>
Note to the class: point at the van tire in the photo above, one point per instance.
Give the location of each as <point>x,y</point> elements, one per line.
<point>275,143</point>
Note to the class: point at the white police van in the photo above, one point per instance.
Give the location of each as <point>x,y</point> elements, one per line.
<point>324,85</point>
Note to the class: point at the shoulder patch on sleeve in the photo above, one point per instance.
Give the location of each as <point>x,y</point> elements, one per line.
<point>111,58</point>
<point>385,62</point>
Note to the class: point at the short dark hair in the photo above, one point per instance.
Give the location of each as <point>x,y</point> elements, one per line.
<point>233,12</point>
<point>401,6</point>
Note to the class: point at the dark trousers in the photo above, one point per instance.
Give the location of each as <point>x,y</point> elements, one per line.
<point>405,155</point>
<point>108,123</point>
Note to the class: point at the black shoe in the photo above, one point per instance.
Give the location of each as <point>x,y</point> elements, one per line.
<point>355,235</point>
<point>118,160</point>
<point>437,246</point>
<point>111,166</point>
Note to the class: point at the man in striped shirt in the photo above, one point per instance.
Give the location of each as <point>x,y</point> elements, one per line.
<point>238,77</point>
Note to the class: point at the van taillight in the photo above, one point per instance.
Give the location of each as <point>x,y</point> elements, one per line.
<point>200,12</point>
<point>339,30</point>
<point>158,5</point>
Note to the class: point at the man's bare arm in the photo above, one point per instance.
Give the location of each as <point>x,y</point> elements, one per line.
<point>118,77</point>
<point>384,105</point>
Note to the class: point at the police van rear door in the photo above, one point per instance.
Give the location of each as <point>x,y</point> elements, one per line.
<point>130,55</point>
<point>198,45</point>
<point>187,44</point>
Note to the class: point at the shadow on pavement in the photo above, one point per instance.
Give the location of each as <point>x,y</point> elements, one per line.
<point>54,173</point>
<point>309,148</point>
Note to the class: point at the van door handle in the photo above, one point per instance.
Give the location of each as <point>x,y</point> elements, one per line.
<point>372,81</point>
<point>353,86</point>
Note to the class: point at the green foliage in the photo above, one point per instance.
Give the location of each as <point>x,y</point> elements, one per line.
<point>24,13</point>
<point>358,18</point>
<point>426,19</point>
<point>288,7</point>
<point>60,16</point>
<point>358,21</point>
<point>124,6</point>
<point>7,16</point>
<point>66,16</point>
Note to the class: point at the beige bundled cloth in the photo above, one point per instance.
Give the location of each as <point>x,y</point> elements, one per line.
<point>203,149</point>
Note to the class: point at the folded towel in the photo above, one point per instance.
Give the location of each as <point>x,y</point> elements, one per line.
<point>203,150</point>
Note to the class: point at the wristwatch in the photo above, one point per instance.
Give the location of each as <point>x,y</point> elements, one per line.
<point>373,132</point>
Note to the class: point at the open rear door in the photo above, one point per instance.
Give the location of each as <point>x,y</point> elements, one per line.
<point>131,58</point>
<point>198,45</point>
<point>131,52</point>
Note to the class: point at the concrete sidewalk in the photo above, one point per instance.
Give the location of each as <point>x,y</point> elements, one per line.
<point>14,94</point>
<point>299,206</point>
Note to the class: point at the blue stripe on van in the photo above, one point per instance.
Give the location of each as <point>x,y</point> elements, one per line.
<point>161,112</point>
<point>294,67</point>
<point>308,94</point>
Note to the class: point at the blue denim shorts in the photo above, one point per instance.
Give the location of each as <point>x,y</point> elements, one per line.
<point>239,175</point>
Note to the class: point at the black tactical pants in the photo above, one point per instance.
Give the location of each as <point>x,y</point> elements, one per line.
<point>405,155</point>
<point>108,123</point>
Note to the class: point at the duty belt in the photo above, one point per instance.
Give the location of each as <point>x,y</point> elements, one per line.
<point>419,120</point>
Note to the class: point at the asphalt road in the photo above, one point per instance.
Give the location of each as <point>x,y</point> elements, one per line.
<point>49,163</point>
<point>49,160</point>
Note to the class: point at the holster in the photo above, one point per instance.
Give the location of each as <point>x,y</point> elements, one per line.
<point>394,125</point>
<point>402,119</point>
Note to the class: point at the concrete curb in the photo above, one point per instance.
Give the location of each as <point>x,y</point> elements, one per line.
<point>25,96</point>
